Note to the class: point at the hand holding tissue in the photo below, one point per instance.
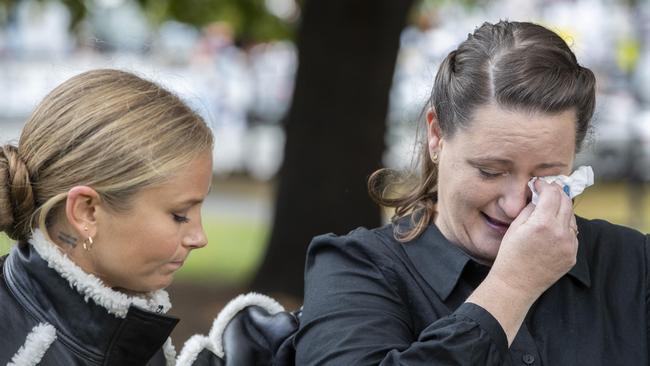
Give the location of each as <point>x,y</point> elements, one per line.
<point>573,185</point>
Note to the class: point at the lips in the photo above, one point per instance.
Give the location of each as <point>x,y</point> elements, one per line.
<point>500,226</point>
<point>177,263</point>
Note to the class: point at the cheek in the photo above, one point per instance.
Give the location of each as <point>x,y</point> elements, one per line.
<point>465,201</point>
<point>456,179</point>
<point>163,244</point>
<point>154,242</point>
<point>450,176</point>
<point>470,193</point>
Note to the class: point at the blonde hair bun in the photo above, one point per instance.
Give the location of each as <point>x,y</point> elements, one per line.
<point>16,195</point>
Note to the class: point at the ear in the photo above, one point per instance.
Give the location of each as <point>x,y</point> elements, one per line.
<point>81,208</point>
<point>434,134</point>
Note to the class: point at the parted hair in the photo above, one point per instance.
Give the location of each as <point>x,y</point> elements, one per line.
<point>107,129</point>
<point>518,65</point>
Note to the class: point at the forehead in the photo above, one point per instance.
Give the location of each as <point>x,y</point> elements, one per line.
<point>493,128</point>
<point>191,181</point>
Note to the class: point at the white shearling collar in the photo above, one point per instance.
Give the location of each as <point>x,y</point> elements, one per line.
<point>37,343</point>
<point>91,287</point>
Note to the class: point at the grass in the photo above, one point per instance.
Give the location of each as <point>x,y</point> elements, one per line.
<point>613,202</point>
<point>236,246</point>
<point>5,244</point>
<point>234,250</point>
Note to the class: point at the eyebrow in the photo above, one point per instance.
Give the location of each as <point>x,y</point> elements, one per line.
<point>505,162</point>
<point>194,201</point>
<point>191,201</point>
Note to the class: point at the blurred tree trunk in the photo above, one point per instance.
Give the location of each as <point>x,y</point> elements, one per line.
<point>335,130</point>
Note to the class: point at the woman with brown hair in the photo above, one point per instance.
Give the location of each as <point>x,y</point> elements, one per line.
<point>470,271</point>
<point>103,195</point>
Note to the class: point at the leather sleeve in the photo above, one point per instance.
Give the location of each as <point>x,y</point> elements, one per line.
<point>255,337</point>
<point>251,336</point>
<point>207,358</point>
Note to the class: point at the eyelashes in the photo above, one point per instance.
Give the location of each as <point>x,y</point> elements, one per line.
<point>180,219</point>
<point>486,174</point>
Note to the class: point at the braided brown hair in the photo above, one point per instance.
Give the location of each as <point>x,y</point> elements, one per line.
<point>16,195</point>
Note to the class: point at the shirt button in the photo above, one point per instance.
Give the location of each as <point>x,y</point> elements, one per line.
<point>528,359</point>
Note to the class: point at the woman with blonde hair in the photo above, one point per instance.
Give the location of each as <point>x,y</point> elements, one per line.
<point>103,195</point>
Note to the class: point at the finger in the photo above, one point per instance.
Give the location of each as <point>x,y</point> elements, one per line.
<point>549,199</point>
<point>565,212</point>
<point>541,182</point>
<point>574,226</point>
<point>523,215</point>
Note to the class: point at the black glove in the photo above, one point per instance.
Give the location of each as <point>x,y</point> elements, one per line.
<point>207,358</point>
<point>254,337</point>
<point>251,330</point>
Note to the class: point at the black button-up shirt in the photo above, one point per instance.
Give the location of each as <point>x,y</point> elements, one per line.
<point>370,300</point>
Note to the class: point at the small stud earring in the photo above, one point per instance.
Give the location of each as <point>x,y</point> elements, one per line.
<point>434,157</point>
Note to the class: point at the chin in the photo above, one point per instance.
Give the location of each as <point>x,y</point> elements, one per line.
<point>157,285</point>
<point>487,250</point>
<point>164,283</point>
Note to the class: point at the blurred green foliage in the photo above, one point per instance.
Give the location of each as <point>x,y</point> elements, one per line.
<point>249,18</point>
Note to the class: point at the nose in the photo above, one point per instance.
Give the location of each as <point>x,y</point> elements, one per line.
<point>195,238</point>
<point>515,196</point>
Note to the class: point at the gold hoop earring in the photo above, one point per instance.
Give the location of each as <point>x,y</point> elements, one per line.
<point>88,243</point>
<point>434,157</point>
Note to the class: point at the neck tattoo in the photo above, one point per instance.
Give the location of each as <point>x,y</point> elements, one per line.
<point>68,239</point>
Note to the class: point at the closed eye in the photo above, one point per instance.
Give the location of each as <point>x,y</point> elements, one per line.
<point>181,219</point>
<point>489,174</point>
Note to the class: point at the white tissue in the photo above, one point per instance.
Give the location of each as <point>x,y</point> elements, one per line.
<point>577,182</point>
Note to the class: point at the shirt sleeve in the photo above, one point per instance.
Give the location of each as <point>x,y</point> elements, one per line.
<point>354,315</point>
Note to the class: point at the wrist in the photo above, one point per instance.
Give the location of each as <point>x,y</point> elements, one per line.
<point>508,304</point>
<point>516,287</point>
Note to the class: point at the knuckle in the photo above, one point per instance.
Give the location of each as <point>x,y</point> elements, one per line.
<point>542,227</point>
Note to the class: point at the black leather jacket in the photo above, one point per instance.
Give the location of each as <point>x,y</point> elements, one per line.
<point>46,319</point>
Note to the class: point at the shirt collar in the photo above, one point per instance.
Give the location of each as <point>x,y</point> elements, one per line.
<point>441,262</point>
